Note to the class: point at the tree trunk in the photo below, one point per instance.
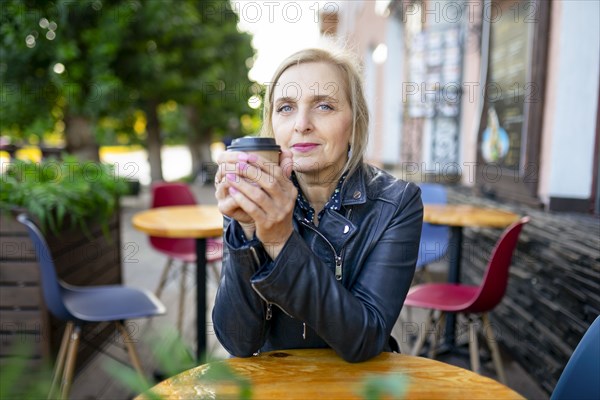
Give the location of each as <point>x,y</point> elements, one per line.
<point>198,140</point>
<point>154,142</point>
<point>79,137</point>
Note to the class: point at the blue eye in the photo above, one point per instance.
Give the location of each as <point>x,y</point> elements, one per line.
<point>325,107</point>
<point>284,108</point>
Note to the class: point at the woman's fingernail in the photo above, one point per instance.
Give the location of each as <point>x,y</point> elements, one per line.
<point>230,177</point>
<point>232,190</point>
<point>243,166</point>
<point>252,157</point>
<point>243,157</point>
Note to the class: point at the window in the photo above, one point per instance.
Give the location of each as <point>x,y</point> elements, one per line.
<point>511,124</point>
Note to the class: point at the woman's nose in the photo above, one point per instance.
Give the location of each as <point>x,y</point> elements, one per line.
<point>303,123</point>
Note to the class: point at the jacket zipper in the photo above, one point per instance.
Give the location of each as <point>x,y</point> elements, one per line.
<point>342,253</point>
<point>269,311</point>
<point>269,314</point>
<point>338,259</point>
<point>338,270</point>
<point>253,251</point>
<point>269,304</point>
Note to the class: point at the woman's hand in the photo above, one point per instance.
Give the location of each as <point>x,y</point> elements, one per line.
<point>264,192</point>
<point>228,162</point>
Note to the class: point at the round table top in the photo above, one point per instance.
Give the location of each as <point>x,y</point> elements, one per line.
<point>464,215</point>
<point>321,374</point>
<point>180,221</point>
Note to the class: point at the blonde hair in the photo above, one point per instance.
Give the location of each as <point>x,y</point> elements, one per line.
<point>352,81</point>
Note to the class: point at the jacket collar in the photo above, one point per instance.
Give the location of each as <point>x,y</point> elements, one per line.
<point>339,229</point>
<point>353,191</point>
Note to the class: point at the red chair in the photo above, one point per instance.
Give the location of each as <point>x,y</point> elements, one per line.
<point>166,194</point>
<point>475,301</point>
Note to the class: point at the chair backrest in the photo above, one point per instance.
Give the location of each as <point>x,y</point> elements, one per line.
<point>166,194</point>
<point>579,379</point>
<point>434,238</point>
<point>495,280</point>
<point>433,193</point>
<point>51,286</point>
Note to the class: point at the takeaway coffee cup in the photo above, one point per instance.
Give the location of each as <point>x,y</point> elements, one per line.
<point>264,147</point>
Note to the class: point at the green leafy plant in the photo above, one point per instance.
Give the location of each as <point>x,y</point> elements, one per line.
<point>173,357</point>
<point>55,192</point>
<point>374,387</point>
<point>18,380</point>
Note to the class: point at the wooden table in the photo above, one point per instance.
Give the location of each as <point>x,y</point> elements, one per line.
<point>457,217</point>
<point>199,222</point>
<point>321,374</point>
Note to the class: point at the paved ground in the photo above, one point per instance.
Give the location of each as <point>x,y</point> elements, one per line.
<point>142,267</point>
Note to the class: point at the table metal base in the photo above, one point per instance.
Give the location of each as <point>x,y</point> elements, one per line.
<point>201,300</point>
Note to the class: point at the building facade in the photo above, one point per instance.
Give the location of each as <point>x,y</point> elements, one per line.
<point>498,95</point>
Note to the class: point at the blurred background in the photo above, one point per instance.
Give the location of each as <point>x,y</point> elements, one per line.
<point>498,95</point>
<point>496,100</point>
<point>145,85</point>
<point>502,95</point>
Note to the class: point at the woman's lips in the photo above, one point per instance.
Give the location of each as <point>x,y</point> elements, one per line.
<point>304,147</point>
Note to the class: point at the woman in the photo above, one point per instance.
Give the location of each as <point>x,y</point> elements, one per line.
<point>320,250</point>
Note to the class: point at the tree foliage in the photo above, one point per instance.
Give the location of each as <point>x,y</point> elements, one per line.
<point>56,60</point>
<point>111,58</point>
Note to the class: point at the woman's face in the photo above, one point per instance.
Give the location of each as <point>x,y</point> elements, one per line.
<point>312,118</point>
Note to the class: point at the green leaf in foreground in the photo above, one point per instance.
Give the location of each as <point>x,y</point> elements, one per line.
<point>222,372</point>
<point>173,357</point>
<point>130,379</point>
<point>392,386</point>
<point>18,380</point>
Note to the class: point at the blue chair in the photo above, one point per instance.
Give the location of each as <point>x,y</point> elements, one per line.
<point>80,305</point>
<point>579,379</point>
<point>434,238</point>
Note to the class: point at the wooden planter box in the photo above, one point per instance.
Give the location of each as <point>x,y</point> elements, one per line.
<point>79,259</point>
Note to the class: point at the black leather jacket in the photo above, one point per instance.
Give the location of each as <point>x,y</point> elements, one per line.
<point>340,285</point>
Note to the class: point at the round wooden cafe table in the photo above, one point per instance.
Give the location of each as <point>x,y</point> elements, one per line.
<point>461,215</point>
<point>195,221</point>
<point>198,222</point>
<point>457,217</point>
<point>321,374</point>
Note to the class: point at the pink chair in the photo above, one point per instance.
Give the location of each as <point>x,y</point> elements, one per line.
<point>475,301</point>
<point>166,194</point>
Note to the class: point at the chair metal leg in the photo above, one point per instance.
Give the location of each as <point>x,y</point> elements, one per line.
<point>60,359</point>
<point>409,314</point>
<point>436,332</point>
<point>422,334</point>
<point>182,290</point>
<point>163,278</point>
<point>216,273</point>
<point>427,274</point>
<point>133,355</point>
<point>473,346</point>
<point>493,345</point>
<point>70,363</point>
